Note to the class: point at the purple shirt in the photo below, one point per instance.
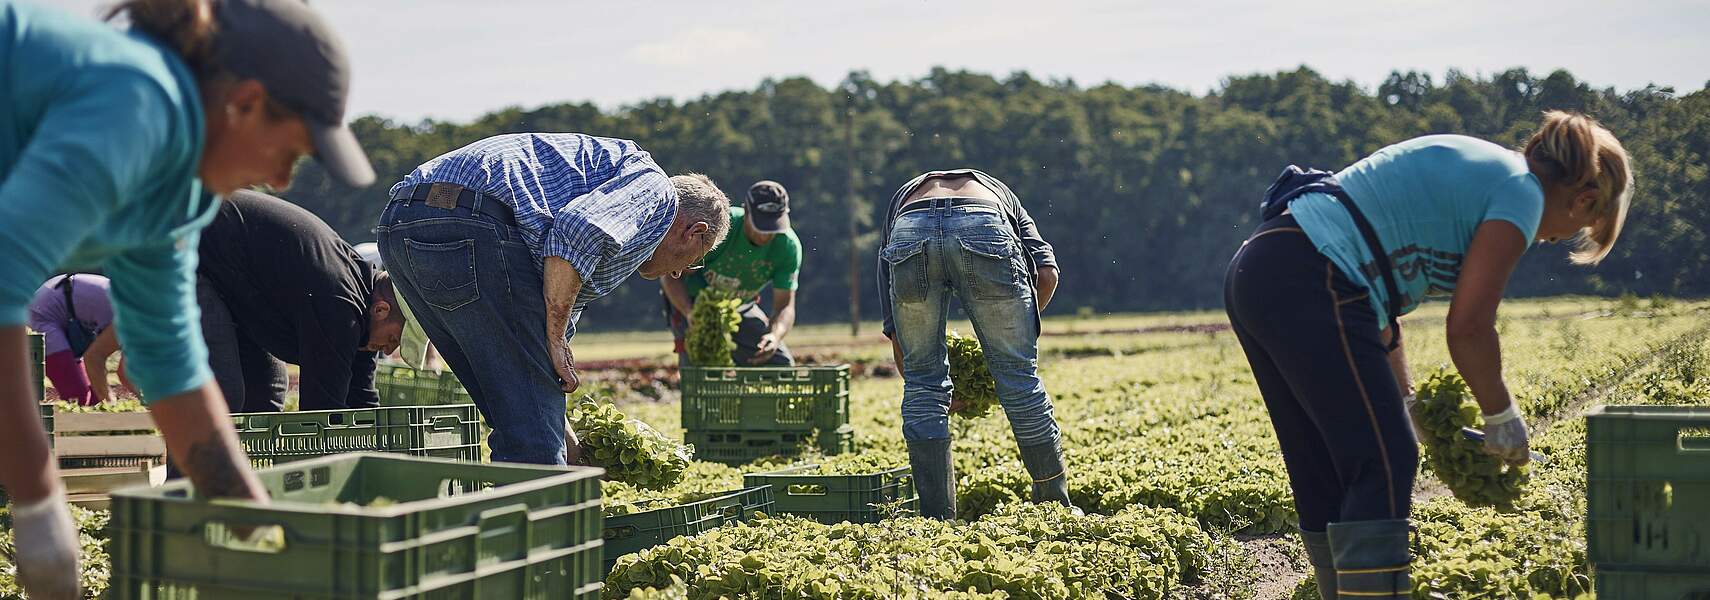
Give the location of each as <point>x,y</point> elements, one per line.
<point>48,314</point>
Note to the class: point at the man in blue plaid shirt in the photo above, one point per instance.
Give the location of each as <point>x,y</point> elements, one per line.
<point>497,247</point>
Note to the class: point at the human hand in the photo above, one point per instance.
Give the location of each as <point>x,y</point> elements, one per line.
<point>764,349</point>
<point>564,363</point>
<point>46,548</point>
<point>1506,437</point>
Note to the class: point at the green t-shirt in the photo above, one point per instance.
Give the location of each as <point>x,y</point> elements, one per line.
<point>739,265</point>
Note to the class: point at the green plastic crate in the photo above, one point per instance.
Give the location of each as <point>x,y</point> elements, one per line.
<point>832,499</point>
<point>634,532</point>
<point>742,447</point>
<point>405,386</point>
<point>1648,488</point>
<point>1639,585</point>
<point>765,398</point>
<point>46,411</point>
<point>458,530</point>
<point>436,431</point>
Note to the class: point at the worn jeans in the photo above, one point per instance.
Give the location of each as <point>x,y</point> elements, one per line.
<point>973,253</point>
<point>747,337</point>
<point>472,283</point>
<point>1312,339</point>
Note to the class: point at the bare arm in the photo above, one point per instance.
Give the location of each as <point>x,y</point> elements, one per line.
<point>95,362</point>
<point>1473,343</point>
<point>783,312</point>
<point>1398,362</point>
<point>677,294</point>
<point>27,468</point>
<point>1046,287</point>
<point>562,284</point>
<point>199,437</point>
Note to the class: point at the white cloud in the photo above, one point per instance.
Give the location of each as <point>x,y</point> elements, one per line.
<point>697,46</point>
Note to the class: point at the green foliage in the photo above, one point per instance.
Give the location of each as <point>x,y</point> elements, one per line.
<point>96,567</point>
<point>972,385</point>
<point>700,481</point>
<point>116,406</point>
<point>1098,163</point>
<point>712,328</point>
<point>629,450</point>
<point>1020,551</point>
<point>1476,478</point>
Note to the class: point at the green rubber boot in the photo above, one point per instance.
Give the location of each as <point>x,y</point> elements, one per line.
<point>934,478</point>
<point>1050,479</point>
<point>1323,569</point>
<point>1372,559</point>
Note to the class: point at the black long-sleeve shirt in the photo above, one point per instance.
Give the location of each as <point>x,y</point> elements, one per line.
<point>299,291</point>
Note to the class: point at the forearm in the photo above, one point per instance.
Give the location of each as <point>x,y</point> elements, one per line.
<point>1477,354</point>
<point>1046,286</point>
<point>95,367</point>
<point>677,294</point>
<point>1398,363</point>
<point>562,284</point>
<point>26,464</point>
<point>200,439</point>
<point>785,317</point>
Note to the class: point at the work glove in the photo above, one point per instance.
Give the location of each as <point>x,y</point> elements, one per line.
<point>46,546</point>
<point>1415,415</point>
<point>1505,436</point>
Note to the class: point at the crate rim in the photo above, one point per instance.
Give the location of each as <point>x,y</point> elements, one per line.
<point>796,471</point>
<point>747,489</point>
<point>560,476</point>
<point>769,369</point>
<point>1650,412</point>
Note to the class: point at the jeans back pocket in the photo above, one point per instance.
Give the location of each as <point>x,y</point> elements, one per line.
<point>907,260</point>
<point>444,273</point>
<point>993,268</point>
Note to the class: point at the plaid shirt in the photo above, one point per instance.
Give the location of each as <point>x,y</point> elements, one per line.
<point>599,203</point>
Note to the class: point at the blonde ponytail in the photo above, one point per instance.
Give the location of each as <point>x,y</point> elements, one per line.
<point>1574,151</point>
<point>185,26</point>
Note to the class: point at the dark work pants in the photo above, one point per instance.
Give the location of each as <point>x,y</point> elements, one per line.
<point>1313,341</point>
<point>251,379</point>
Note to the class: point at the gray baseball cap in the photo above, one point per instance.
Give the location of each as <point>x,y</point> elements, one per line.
<point>291,50</point>
<point>768,206</point>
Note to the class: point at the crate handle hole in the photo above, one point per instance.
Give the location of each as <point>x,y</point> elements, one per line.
<point>260,539</point>
<point>299,428</point>
<point>1694,439</point>
<point>806,489</point>
<point>447,423</point>
<point>618,533</point>
<point>731,513</point>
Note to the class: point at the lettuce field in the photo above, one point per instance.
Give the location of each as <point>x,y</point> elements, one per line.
<point>1171,455</point>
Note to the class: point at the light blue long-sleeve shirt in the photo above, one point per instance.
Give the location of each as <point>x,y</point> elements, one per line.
<point>100,138</point>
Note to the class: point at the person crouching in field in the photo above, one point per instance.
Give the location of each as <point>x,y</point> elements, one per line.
<point>1313,297</point>
<point>963,232</point>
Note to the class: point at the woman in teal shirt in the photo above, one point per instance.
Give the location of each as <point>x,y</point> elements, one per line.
<point>113,145</point>
<point>1314,308</point>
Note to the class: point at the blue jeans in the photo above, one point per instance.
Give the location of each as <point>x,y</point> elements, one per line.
<point>970,252</point>
<point>472,282</point>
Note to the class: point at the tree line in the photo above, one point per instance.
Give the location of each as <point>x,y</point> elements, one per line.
<point>1145,191</point>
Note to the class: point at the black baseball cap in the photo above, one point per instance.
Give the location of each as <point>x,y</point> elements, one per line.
<point>768,207</point>
<point>290,50</point>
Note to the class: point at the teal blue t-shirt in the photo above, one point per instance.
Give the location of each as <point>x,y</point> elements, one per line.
<point>100,138</point>
<point>1425,197</point>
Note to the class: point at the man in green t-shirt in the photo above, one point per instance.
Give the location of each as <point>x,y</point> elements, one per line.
<point>767,252</point>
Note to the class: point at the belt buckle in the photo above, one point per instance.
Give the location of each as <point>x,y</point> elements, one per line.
<point>443,195</point>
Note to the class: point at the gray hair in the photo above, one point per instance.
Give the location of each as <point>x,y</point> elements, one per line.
<point>699,199</point>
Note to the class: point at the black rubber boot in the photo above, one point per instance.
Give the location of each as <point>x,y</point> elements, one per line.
<point>1323,569</point>
<point>934,478</point>
<point>1050,479</point>
<point>1372,559</point>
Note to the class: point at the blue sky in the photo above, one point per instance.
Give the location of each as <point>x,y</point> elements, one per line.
<point>456,59</point>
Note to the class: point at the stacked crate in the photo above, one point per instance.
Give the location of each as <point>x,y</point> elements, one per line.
<point>734,415</point>
<point>1648,499</point>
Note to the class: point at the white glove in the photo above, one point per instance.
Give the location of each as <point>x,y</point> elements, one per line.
<point>1413,406</point>
<point>47,547</point>
<point>1505,436</point>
